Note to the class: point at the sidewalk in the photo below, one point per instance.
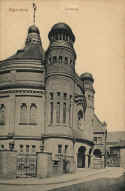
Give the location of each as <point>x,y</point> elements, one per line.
<point>80,175</point>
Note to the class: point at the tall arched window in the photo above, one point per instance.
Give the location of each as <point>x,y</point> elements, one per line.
<point>2,114</point>
<point>51,112</point>
<point>60,59</point>
<point>23,113</point>
<point>58,112</point>
<point>80,116</point>
<point>54,59</point>
<point>33,113</point>
<point>66,60</point>
<point>64,112</point>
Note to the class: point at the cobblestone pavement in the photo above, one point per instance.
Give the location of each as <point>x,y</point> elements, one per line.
<point>82,175</point>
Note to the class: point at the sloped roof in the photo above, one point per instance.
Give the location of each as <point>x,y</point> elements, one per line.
<point>115,136</point>
<point>31,52</point>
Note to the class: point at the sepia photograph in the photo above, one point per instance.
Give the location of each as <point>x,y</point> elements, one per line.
<point>62,103</point>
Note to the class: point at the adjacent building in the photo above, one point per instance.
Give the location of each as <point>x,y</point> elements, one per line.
<point>47,110</point>
<point>115,147</point>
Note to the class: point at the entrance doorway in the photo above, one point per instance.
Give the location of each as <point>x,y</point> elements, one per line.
<point>81,157</point>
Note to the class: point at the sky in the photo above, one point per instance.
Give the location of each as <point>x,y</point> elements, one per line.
<point>99,28</point>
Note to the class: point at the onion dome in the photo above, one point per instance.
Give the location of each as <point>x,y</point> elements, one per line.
<point>33,47</point>
<point>62,27</point>
<point>86,75</point>
<point>33,29</point>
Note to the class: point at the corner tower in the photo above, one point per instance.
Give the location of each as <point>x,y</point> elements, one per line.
<point>60,56</point>
<point>60,71</point>
<point>88,81</point>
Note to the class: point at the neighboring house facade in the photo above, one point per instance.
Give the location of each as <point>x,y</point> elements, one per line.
<point>115,147</point>
<point>45,107</point>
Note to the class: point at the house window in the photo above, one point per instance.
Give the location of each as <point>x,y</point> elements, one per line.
<point>2,114</point>
<point>64,112</point>
<point>51,112</point>
<point>58,112</point>
<point>33,148</point>
<point>33,113</point>
<point>95,140</point>
<point>27,148</point>
<point>59,148</point>
<point>23,113</point>
<point>21,148</point>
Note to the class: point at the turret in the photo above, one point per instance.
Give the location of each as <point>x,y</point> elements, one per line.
<point>88,81</point>
<point>33,36</point>
<point>60,70</point>
<point>61,55</point>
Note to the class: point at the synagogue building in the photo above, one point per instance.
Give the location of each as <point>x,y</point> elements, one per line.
<point>48,123</point>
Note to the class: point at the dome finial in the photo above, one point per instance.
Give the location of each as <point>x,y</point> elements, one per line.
<point>34,12</point>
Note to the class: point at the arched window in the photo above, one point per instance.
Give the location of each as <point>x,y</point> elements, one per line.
<point>23,113</point>
<point>51,112</point>
<point>2,114</point>
<point>64,112</point>
<point>60,59</point>
<point>54,59</point>
<point>66,60</point>
<point>33,113</point>
<point>80,116</point>
<point>58,112</point>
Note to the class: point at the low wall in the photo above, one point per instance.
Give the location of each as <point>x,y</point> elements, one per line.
<point>8,164</point>
<point>122,157</point>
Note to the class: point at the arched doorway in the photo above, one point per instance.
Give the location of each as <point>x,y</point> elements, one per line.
<point>81,157</point>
